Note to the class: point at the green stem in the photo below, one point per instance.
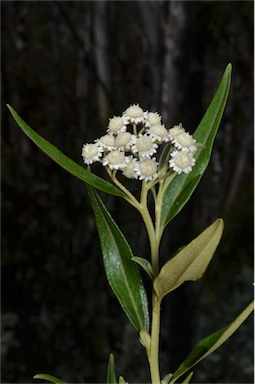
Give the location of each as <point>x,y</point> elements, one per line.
<point>154,245</point>
<point>142,207</point>
<point>154,346</point>
<point>163,184</point>
<point>153,353</point>
<point>158,206</point>
<point>128,195</point>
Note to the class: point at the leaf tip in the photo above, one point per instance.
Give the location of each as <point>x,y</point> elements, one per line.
<point>220,223</point>
<point>229,67</point>
<point>228,70</point>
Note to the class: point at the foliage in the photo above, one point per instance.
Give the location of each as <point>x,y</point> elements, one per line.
<point>189,263</point>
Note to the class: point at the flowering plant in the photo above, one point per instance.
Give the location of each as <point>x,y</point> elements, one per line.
<point>168,164</point>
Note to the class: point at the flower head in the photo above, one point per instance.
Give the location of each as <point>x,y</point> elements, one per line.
<point>135,114</point>
<point>107,142</point>
<point>91,153</point>
<point>152,119</point>
<point>124,140</point>
<point>181,162</point>
<point>129,171</point>
<point>146,169</point>
<point>117,124</point>
<point>144,146</point>
<point>158,133</point>
<point>176,130</point>
<point>185,142</point>
<point>115,160</point>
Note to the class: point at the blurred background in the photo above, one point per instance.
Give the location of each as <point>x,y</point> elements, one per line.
<point>67,66</point>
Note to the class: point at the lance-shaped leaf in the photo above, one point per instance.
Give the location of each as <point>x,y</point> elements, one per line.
<point>166,378</point>
<point>210,343</point>
<point>50,378</point>
<point>122,380</point>
<point>191,262</point>
<point>122,273</point>
<point>111,375</point>
<point>188,378</point>
<point>64,161</point>
<point>181,188</point>
<point>145,264</point>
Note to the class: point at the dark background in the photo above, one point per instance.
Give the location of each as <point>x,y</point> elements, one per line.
<point>67,66</point>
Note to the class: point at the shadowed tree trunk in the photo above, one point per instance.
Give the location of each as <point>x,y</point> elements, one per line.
<point>57,105</point>
<point>174,24</point>
<point>101,49</point>
<point>152,17</point>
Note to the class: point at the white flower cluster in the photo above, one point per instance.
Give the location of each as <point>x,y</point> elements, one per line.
<point>131,143</point>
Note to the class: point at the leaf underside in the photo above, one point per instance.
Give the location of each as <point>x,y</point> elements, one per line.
<point>190,263</point>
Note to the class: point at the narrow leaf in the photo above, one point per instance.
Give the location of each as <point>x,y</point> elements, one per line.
<point>179,191</point>
<point>122,380</point>
<point>210,343</point>
<point>191,262</point>
<point>65,162</point>
<point>50,378</point>
<point>188,378</point>
<point>122,273</point>
<point>145,264</point>
<point>111,376</point>
<point>145,340</point>
<point>166,378</point>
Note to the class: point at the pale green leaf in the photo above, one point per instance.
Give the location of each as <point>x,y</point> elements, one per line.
<point>122,380</point>
<point>111,376</point>
<point>145,264</point>
<point>188,378</point>
<point>166,378</point>
<point>210,343</point>
<point>191,262</point>
<point>145,339</point>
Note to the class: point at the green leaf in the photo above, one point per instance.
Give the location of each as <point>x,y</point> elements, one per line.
<point>179,191</point>
<point>145,264</point>
<point>167,378</point>
<point>122,380</point>
<point>188,378</point>
<point>122,273</point>
<point>191,262</point>
<point>50,378</point>
<point>145,340</point>
<point>164,155</point>
<point>210,343</point>
<point>64,161</point>
<point>111,376</point>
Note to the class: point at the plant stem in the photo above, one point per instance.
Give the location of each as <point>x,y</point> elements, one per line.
<point>154,346</point>
<point>128,195</point>
<point>154,245</point>
<point>154,238</point>
<point>163,184</point>
<point>154,234</point>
